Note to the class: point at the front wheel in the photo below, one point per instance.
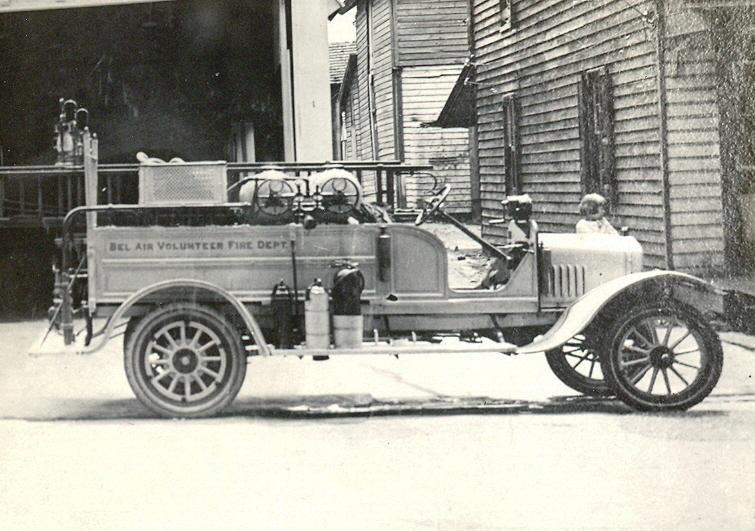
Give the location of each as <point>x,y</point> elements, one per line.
<point>662,357</point>
<point>185,360</point>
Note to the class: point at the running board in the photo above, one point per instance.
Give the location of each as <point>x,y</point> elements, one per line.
<point>449,345</point>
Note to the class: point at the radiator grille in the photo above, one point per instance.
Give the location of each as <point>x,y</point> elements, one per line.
<point>566,281</point>
<point>182,184</point>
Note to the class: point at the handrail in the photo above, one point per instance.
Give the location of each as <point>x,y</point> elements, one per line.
<point>47,193</point>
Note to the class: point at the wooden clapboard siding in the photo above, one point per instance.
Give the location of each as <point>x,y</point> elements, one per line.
<point>432,46</point>
<point>363,144</point>
<point>540,60</point>
<point>373,61</point>
<point>383,67</point>
<point>694,158</point>
<point>431,32</point>
<point>350,140</point>
<point>420,61</point>
<point>425,91</point>
<point>361,111</point>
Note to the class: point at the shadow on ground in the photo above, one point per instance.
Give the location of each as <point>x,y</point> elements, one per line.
<point>329,406</point>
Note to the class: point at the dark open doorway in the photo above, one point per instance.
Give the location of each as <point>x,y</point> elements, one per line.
<point>167,78</point>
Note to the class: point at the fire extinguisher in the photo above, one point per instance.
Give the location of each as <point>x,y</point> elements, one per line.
<point>348,322</point>
<point>316,316</point>
<point>282,304</point>
<point>384,255</point>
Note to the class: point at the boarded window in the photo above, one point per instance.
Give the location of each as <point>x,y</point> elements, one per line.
<point>597,135</point>
<point>511,145</point>
<point>506,14</point>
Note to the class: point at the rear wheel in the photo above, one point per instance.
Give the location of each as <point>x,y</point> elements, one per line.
<point>577,365</point>
<point>185,360</point>
<point>662,357</point>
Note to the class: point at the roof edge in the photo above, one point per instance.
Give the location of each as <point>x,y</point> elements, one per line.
<point>459,109</point>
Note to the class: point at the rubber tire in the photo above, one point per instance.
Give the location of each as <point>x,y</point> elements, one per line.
<point>230,350</point>
<point>129,331</point>
<point>569,376</point>
<point>711,363</point>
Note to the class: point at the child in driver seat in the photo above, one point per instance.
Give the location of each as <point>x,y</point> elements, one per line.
<point>592,208</point>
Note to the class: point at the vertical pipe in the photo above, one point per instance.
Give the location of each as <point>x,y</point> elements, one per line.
<point>80,191</point>
<point>91,184</point>
<point>22,196</point>
<point>66,310</point>
<point>474,160</point>
<point>398,112</point>
<point>61,210</point>
<point>69,191</point>
<point>66,317</point>
<point>379,186</point>
<point>2,196</point>
<point>390,189</point>
<point>470,30</point>
<point>91,176</point>
<point>397,83</point>
<point>371,84</point>
<point>119,189</point>
<point>40,210</point>
<point>283,29</point>
<point>663,132</point>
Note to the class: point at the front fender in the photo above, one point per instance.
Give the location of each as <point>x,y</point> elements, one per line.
<point>628,289</point>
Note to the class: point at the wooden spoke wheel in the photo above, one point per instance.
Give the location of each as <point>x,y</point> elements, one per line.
<point>185,360</point>
<point>577,365</point>
<point>662,356</point>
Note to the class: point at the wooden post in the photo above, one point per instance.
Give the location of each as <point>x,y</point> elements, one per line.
<point>90,175</point>
<point>663,132</point>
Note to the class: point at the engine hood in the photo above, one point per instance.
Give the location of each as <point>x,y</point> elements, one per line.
<point>573,264</point>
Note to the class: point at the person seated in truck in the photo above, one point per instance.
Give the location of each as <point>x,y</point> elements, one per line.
<point>370,213</point>
<point>592,208</point>
<point>522,235</point>
<point>497,275</point>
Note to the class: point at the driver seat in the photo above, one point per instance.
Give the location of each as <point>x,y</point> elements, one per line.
<point>521,237</point>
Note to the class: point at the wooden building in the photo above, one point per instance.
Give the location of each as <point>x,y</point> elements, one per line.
<point>649,102</point>
<point>342,55</point>
<point>409,54</point>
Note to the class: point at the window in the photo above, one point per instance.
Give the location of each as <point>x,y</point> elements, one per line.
<point>597,135</point>
<point>511,145</point>
<point>506,14</point>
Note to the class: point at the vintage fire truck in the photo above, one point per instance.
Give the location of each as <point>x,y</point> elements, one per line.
<point>200,275</point>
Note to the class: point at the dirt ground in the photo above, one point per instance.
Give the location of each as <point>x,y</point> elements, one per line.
<point>467,263</point>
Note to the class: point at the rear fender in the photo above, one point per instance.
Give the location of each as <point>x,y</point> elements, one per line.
<point>183,289</point>
<point>627,291</point>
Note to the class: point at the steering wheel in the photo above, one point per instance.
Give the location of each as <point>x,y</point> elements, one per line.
<point>432,206</point>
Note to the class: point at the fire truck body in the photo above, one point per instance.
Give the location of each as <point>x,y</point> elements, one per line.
<point>247,261</point>
<point>200,283</point>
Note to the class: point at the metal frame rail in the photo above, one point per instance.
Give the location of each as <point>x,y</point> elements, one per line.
<point>43,195</point>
